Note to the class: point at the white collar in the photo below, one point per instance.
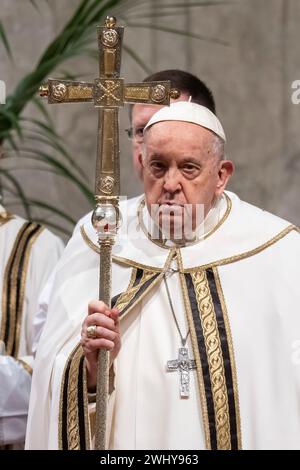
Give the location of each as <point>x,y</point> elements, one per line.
<point>242,229</point>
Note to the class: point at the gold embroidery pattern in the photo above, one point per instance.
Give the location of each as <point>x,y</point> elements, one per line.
<point>215,359</point>
<point>129,294</point>
<point>201,386</point>
<point>247,254</point>
<point>117,259</point>
<point>86,410</point>
<point>26,366</point>
<point>5,217</point>
<point>232,356</point>
<point>150,286</point>
<point>72,406</point>
<point>20,254</point>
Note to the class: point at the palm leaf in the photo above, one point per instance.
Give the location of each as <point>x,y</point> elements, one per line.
<point>67,44</point>
<point>44,221</point>
<point>131,52</point>
<point>52,209</point>
<point>39,104</point>
<point>39,155</point>
<point>48,136</point>
<point>179,32</point>
<point>19,191</point>
<point>180,5</point>
<point>5,42</point>
<point>53,225</point>
<point>74,40</point>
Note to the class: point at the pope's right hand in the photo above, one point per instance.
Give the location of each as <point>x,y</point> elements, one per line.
<point>100,330</point>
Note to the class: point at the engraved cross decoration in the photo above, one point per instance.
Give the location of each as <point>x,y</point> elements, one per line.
<point>108,93</point>
<point>184,365</point>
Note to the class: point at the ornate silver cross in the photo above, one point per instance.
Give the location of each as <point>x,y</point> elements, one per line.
<point>183,364</point>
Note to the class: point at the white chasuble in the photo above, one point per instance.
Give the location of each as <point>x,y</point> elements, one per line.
<point>28,254</point>
<point>235,290</point>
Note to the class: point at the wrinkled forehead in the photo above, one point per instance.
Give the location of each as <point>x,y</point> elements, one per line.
<point>177,131</point>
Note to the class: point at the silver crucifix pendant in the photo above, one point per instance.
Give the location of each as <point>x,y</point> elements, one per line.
<point>183,364</point>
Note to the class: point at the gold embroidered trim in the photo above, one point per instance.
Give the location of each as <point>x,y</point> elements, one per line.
<point>72,405</point>
<point>201,387</point>
<point>5,217</point>
<point>146,291</point>
<point>132,278</point>
<point>129,262</point>
<point>215,359</point>
<point>247,254</point>
<point>162,245</point>
<point>14,261</point>
<point>61,405</point>
<point>220,262</point>
<point>126,297</point>
<point>117,259</point>
<point>26,366</point>
<point>73,431</point>
<point>86,410</point>
<point>232,356</point>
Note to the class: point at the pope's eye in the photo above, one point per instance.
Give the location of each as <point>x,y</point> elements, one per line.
<point>189,167</point>
<point>139,132</point>
<point>156,164</point>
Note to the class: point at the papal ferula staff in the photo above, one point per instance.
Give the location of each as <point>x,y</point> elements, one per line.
<point>108,93</point>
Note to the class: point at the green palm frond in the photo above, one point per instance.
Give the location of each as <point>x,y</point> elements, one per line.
<point>46,220</point>
<point>35,138</point>
<point>18,190</point>
<point>52,209</point>
<point>47,135</point>
<point>166,29</point>
<point>39,155</point>
<point>74,37</point>
<point>4,40</point>
<point>42,108</point>
<point>133,54</point>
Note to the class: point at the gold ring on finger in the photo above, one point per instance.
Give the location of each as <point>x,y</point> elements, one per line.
<point>91,331</point>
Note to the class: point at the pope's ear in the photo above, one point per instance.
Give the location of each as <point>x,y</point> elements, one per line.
<point>225,172</point>
<point>140,158</point>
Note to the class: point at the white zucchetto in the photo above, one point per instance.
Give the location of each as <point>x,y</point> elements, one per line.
<point>187,111</point>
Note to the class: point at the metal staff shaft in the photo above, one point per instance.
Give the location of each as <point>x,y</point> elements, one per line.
<point>103,356</point>
<point>106,221</point>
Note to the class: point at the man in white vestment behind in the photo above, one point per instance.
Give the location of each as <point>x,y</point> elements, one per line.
<point>28,254</point>
<point>204,317</point>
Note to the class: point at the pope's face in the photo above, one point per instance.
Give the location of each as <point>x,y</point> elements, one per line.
<point>141,114</point>
<point>180,167</point>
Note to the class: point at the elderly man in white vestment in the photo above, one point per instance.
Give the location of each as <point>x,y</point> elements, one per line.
<point>190,88</point>
<point>28,254</point>
<point>204,320</point>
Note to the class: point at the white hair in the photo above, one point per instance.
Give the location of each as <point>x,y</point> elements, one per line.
<point>217,146</point>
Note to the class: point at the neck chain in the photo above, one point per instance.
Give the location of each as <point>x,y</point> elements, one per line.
<point>183,364</point>
<point>183,339</point>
